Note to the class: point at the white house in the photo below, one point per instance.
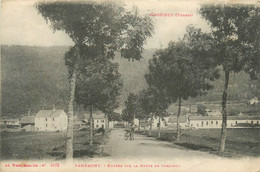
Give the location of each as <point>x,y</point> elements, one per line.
<point>253,101</point>
<point>240,121</point>
<point>11,123</point>
<point>99,118</point>
<point>51,120</point>
<point>155,122</point>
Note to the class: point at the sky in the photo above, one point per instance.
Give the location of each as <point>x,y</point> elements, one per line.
<point>22,25</point>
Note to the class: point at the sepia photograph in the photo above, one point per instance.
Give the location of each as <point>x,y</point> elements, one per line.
<point>149,85</point>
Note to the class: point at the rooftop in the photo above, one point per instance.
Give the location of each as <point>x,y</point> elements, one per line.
<point>49,113</point>
<point>27,120</point>
<point>228,117</point>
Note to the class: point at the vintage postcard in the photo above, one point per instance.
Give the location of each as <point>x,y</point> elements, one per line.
<point>150,85</point>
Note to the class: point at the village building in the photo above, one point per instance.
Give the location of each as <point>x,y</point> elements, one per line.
<point>51,120</point>
<point>10,123</point>
<point>100,120</point>
<point>155,122</point>
<point>239,121</point>
<point>28,123</point>
<point>253,101</point>
<point>79,124</point>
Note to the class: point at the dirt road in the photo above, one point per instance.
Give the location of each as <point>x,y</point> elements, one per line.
<point>149,154</point>
<point>146,147</point>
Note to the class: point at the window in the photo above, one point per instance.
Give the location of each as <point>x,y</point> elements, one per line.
<point>96,126</point>
<point>202,123</point>
<point>102,125</point>
<point>217,122</point>
<point>102,121</point>
<point>211,122</point>
<point>97,120</point>
<point>207,123</point>
<point>53,119</point>
<point>46,119</point>
<point>257,122</point>
<point>236,122</point>
<point>252,122</point>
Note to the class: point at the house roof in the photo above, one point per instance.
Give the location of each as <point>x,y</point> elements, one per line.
<point>173,119</point>
<point>10,120</point>
<point>27,120</point>
<point>49,113</point>
<point>220,117</point>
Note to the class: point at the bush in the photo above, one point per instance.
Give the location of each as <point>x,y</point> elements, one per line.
<point>201,109</point>
<point>101,130</point>
<point>233,112</point>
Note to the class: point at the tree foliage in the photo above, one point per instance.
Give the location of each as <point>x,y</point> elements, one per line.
<point>179,74</point>
<point>131,107</point>
<point>235,29</point>
<point>104,27</point>
<point>99,84</point>
<point>201,109</point>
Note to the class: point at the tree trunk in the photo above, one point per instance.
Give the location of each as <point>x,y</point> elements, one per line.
<point>69,150</point>
<point>139,126</point>
<point>178,124</point>
<point>159,127</point>
<point>151,125</point>
<point>224,114</point>
<point>144,128</point>
<point>91,127</point>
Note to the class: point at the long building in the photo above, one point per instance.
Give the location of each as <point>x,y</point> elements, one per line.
<point>240,121</point>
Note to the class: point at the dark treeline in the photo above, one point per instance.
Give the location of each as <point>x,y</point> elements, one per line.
<point>36,78</point>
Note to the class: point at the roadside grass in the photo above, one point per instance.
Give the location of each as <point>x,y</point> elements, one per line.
<point>47,145</point>
<point>239,142</point>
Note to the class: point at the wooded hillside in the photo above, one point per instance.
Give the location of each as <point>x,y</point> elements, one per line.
<point>36,78</point>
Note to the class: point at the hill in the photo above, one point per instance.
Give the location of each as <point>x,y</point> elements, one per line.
<point>36,77</point>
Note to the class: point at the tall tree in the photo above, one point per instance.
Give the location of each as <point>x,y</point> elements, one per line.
<point>101,27</point>
<point>154,79</point>
<point>131,107</point>
<point>148,106</point>
<point>176,72</point>
<point>98,87</point>
<point>235,29</point>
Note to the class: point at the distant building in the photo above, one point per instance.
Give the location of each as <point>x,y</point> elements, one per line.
<point>51,120</point>
<point>155,122</point>
<point>79,124</point>
<point>253,101</point>
<point>11,123</point>
<point>28,123</point>
<point>216,121</point>
<point>100,120</point>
